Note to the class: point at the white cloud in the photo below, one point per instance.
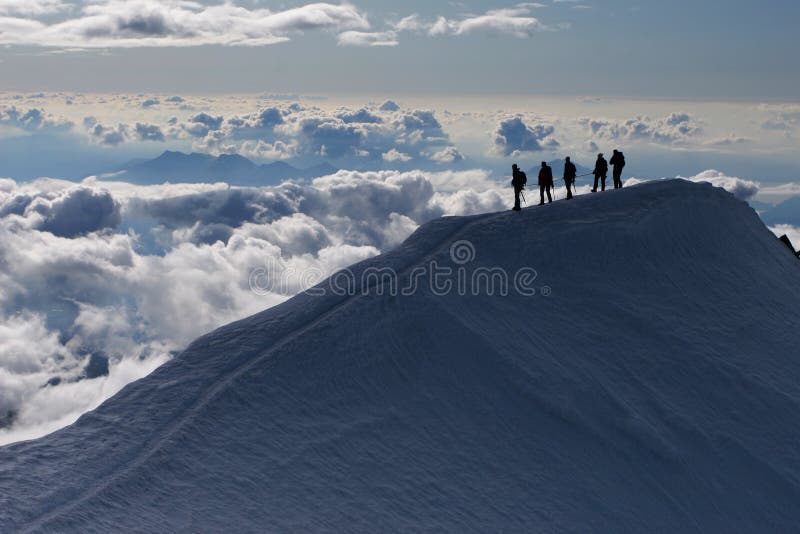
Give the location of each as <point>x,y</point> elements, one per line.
<point>674,128</point>
<point>31,7</point>
<point>449,154</point>
<point>730,140</point>
<point>513,137</point>
<point>741,189</point>
<point>347,134</point>
<point>515,22</point>
<point>738,187</point>
<point>139,23</point>
<point>106,135</point>
<point>33,119</point>
<point>75,286</point>
<point>77,211</point>
<point>359,38</point>
<point>411,23</point>
<point>177,23</point>
<point>390,105</point>
<point>780,191</point>
<point>784,117</point>
<point>395,155</point>
<point>148,132</point>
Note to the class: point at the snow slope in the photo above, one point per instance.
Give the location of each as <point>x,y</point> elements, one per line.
<point>657,389</point>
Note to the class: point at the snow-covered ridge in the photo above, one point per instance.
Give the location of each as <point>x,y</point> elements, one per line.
<point>653,386</point>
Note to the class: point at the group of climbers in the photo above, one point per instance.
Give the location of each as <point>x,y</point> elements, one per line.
<point>546,182</point>
<point>601,170</point>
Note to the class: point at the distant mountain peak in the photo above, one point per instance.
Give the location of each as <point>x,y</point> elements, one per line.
<point>175,166</point>
<point>233,157</point>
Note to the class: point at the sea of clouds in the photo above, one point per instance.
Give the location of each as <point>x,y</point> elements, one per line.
<point>113,272</point>
<point>102,282</point>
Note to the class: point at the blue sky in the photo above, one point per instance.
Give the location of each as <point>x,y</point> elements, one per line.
<point>677,49</point>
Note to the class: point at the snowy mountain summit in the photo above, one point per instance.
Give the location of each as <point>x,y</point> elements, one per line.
<point>626,361</point>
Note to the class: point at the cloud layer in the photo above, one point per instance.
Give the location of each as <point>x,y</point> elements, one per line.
<point>516,22</point>
<point>137,23</point>
<point>117,274</point>
<point>675,128</point>
<point>373,133</point>
<point>174,23</point>
<point>513,137</point>
<point>103,281</point>
<point>371,136</point>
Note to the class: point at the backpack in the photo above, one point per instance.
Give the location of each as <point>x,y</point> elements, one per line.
<point>524,178</point>
<point>546,176</point>
<point>570,170</point>
<point>621,159</point>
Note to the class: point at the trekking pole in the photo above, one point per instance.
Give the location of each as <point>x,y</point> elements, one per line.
<point>523,197</point>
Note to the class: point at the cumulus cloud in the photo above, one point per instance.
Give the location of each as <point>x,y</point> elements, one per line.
<point>396,155</point>
<point>137,23</point>
<point>361,115</point>
<point>114,135</point>
<point>106,135</point>
<point>390,105</point>
<point>202,123</point>
<point>740,188</point>
<point>359,38</point>
<point>784,117</point>
<point>513,137</point>
<point>349,134</point>
<point>80,286</point>
<point>515,22</point>
<point>675,128</point>
<point>77,212</point>
<point>448,155</point>
<point>31,7</point>
<point>781,191</point>
<point>148,132</point>
<point>143,23</point>
<point>34,119</point>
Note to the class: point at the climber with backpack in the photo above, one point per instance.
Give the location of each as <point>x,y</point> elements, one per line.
<point>518,181</point>
<point>600,172</point>
<point>618,162</point>
<point>569,176</point>
<point>545,182</point>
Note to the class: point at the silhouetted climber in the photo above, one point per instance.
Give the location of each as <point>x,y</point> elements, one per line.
<point>618,162</point>
<point>601,172</point>
<point>569,176</point>
<point>545,182</point>
<point>518,180</point>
